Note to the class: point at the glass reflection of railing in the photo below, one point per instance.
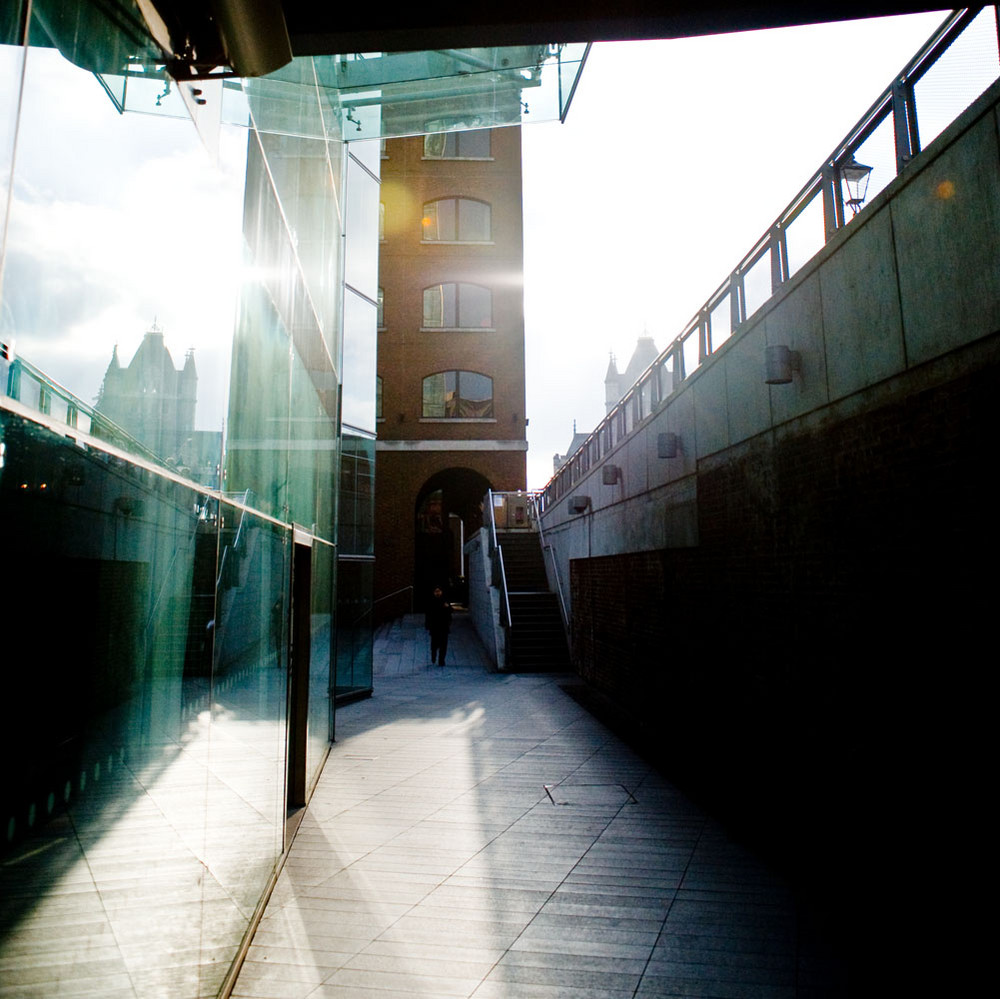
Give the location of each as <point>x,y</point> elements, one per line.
<point>953,67</point>
<point>30,386</point>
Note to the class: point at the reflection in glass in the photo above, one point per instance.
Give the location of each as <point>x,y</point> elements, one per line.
<point>458,395</point>
<point>474,144</point>
<point>460,220</point>
<point>458,306</point>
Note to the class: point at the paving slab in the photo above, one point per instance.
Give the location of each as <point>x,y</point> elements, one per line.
<point>481,835</point>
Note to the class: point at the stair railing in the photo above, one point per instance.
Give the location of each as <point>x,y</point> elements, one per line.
<point>549,551</point>
<point>498,575</point>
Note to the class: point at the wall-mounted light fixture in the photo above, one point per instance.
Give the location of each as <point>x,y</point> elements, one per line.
<point>611,475</point>
<point>578,504</point>
<point>668,445</point>
<point>779,363</point>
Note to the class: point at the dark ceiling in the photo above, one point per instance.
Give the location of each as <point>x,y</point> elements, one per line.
<point>325,28</point>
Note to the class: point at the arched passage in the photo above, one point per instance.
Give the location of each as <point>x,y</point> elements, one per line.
<point>447,510</point>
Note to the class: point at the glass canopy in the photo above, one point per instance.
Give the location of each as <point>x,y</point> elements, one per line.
<point>370,95</point>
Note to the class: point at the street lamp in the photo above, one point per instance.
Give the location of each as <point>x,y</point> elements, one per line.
<point>856,177</point>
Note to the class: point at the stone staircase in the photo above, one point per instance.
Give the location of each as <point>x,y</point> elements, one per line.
<point>537,637</point>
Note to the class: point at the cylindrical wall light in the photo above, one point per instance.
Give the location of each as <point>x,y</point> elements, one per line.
<point>779,363</point>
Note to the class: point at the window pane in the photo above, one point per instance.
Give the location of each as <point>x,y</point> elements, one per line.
<point>475,306</point>
<point>473,220</point>
<point>475,143</point>
<point>436,144</point>
<point>475,386</point>
<point>434,304</point>
<point>430,221</point>
<point>434,392</point>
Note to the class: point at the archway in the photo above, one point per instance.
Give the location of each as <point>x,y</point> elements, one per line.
<point>447,510</point>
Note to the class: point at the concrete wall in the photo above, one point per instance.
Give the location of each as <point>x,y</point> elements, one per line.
<point>912,280</point>
<point>797,612</point>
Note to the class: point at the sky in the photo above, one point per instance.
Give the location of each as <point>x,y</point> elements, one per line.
<point>675,157</point>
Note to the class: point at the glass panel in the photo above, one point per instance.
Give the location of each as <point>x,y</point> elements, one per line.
<point>458,145</point>
<point>320,726</point>
<point>102,291</point>
<point>473,221</point>
<point>441,91</point>
<point>968,67</point>
<point>665,373</point>
<point>312,449</point>
<point>806,235</point>
<point>721,323</point>
<point>355,581</point>
<point>257,445</point>
<point>474,397</point>
<point>11,63</point>
<point>646,398</point>
<point>357,464</point>
<point>361,245</point>
<point>246,754</point>
<point>439,306</point>
<point>434,395</point>
<point>381,308</point>
<point>879,152</point>
<point>689,349</point>
<point>360,319</point>
<point>457,219</point>
<point>756,289</point>
<point>140,762</point>
<point>475,307</point>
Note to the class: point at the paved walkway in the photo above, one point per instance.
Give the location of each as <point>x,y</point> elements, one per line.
<point>481,835</point>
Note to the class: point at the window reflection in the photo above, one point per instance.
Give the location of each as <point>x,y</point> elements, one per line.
<point>458,395</point>
<point>458,145</point>
<point>458,306</point>
<point>457,220</point>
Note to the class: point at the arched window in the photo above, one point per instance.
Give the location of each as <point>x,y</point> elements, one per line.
<point>457,395</point>
<point>471,145</point>
<point>458,306</point>
<point>457,220</point>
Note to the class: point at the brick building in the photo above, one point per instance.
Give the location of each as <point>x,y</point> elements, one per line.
<point>451,419</point>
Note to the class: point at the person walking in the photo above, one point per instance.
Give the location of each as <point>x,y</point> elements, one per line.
<point>438,622</point>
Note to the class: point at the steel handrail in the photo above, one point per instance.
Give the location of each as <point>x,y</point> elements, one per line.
<point>546,547</point>
<point>395,593</point>
<point>495,547</point>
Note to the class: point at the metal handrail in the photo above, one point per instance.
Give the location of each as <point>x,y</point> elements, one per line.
<point>897,101</point>
<point>395,593</point>
<point>546,547</point>
<point>495,547</point>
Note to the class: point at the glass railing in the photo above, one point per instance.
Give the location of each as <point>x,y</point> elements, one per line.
<point>953,67</point>
<point>22,381</point>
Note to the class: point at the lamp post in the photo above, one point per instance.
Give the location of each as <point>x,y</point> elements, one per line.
<point>856,177</point>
